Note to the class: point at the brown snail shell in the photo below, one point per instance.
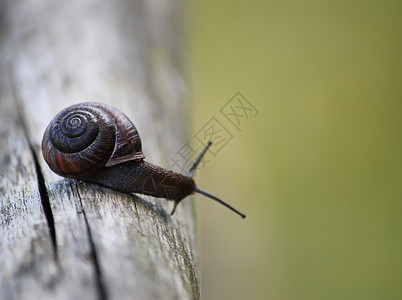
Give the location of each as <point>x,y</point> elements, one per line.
<point>88,136</point>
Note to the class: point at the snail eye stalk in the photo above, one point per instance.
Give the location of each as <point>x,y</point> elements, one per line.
<point>190,172</point>
<point>203,192</point>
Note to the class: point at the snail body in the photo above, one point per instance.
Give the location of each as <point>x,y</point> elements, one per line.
<point>97,143</point>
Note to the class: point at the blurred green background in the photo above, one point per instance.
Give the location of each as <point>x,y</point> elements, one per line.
<point>319,170</point>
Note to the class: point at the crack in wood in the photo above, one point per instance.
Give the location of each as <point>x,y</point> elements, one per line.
<point>43,193</point>
<point>101,288</point>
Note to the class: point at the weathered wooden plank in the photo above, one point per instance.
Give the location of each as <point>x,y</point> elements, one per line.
<point>27,261</point>
<point>103,244</point>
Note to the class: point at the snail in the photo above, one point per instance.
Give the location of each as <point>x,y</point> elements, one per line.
<point>97,143</point>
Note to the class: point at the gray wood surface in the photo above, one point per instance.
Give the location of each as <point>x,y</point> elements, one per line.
<point>64,239</point>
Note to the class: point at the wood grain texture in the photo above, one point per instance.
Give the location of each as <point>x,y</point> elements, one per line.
<point>64,239</point>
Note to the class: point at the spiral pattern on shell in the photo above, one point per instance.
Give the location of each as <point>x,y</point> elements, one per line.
<point>86,137</point>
